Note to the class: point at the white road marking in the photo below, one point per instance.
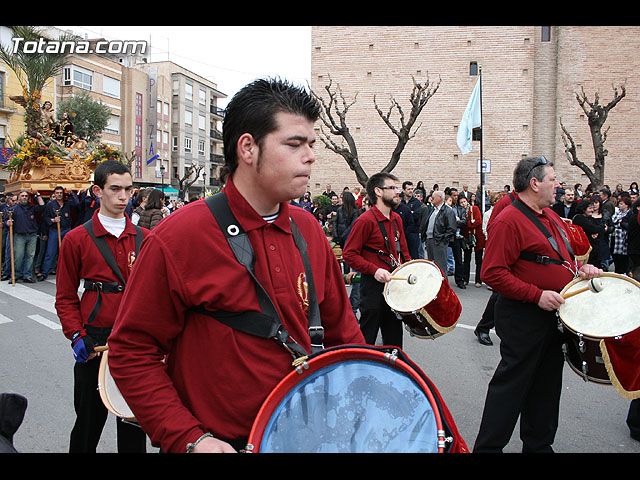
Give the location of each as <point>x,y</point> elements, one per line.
<point>46,322</point>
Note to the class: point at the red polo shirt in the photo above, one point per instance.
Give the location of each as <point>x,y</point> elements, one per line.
<point>366,231</point>
<point>80,259</point>
<point>503,270</point>
<point>216,378</point>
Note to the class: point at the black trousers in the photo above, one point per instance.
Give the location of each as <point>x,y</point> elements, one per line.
<point>458,272</point>
<point>527,382</point>
<point>91,415</point>
<point>633,419</point>
<point>375,314</point>
<point>487,322</point>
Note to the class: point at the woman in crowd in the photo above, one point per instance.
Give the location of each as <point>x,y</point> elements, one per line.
<point>618,238</point>
<point>592,227</point>
<point>154,210</point>
<point>474,241</point>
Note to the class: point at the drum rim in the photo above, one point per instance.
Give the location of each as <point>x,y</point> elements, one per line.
<point>324,359</point>
<point>410,262</point>
<point>577,280</point>
<point>102,388</point>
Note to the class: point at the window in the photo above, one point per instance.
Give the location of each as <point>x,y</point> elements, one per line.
<point>139,104</point>
<point>202,122</point>
<point>111,87</point>
<point>473,68</point>
<point>79,77</point>
<point>188,91</point>
<point>203,97</point>
<point>113,125</point>
<point>187,145</point>
<point>188,117</point>
<point>201,147</point>
<point>174,145</point>
<point>546,34</point>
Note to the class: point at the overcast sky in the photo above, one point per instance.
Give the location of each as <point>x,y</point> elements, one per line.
<point>230,56</point>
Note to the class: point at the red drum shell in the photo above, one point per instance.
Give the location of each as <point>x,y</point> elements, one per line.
<point>331,360</point>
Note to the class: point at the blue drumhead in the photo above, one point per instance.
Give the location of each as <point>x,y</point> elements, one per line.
<point>355,406</point>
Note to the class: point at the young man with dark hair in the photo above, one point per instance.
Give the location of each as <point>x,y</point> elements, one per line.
<point>194,381</point>
<point>87,322</point>
<point>375,254</point>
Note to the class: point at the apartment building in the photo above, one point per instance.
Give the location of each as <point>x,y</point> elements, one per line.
<point>189,125</point>
<point>163,115</point>
<point>530,77</point>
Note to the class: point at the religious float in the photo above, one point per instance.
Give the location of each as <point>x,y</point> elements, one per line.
<point>51,156</point>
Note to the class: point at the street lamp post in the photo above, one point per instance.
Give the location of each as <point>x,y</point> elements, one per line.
<point>204,182</point>
<point>162,177</point>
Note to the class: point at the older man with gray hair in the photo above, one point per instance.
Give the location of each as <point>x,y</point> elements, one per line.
<point>440,230</point>
<point>528,272</point>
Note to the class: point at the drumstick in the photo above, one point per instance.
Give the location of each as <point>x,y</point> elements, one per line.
<point>595,285</point>
<point>411,278</point>
<point>103,348</point>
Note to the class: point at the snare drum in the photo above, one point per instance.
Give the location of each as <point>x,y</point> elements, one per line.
<point>589,317</point>
<point>355,399</point>
<point>428,307</point>
<point>110,394</point>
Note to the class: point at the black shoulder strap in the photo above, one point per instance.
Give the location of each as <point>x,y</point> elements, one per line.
<point>267,323</point>
<point>107,254</point>
<point>104,250</point>
<point>394,262</point>
<point>528,256</point>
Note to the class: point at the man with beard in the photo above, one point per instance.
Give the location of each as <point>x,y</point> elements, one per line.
<point>376,247</point>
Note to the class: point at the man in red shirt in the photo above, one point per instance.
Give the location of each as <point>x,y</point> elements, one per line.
<point>376,246</point>
<point>194,383</point>
<point>528,274</point>
<point>87,322</point>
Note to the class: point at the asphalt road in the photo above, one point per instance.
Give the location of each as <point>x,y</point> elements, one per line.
<point>36,361</point>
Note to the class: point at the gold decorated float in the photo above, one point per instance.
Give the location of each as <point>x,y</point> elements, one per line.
<point>53,156</point>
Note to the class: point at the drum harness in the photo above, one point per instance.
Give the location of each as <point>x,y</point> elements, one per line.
<point>266,323</point>
<point>395,262</point>
<point>107,254</point>
<point>544,259</point>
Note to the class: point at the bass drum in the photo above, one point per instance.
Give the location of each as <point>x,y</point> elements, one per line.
<point>589,317</point>
<point>423,299</point>
<point>355,399</point>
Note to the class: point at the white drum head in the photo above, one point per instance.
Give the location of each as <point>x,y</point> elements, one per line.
<point>109,392</point>
<point>608,313</point>
<point>403,296</point>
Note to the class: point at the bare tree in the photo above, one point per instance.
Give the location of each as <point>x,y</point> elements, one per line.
<point>186,181</point>
<point>596,117</point>
<point>334,118</point>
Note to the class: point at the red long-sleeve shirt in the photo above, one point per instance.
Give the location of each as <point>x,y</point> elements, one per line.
<point>503,270</point>
<point>216,378</point>
<point>80,259</point>
<point>366,231</point>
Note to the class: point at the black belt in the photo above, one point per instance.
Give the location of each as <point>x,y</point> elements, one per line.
<point>543,259</point>
<point>101,287</point>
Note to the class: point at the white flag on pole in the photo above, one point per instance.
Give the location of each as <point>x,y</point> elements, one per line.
<point>470,119</point>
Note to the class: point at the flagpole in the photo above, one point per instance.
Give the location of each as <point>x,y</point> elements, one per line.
<point>481,157</point>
